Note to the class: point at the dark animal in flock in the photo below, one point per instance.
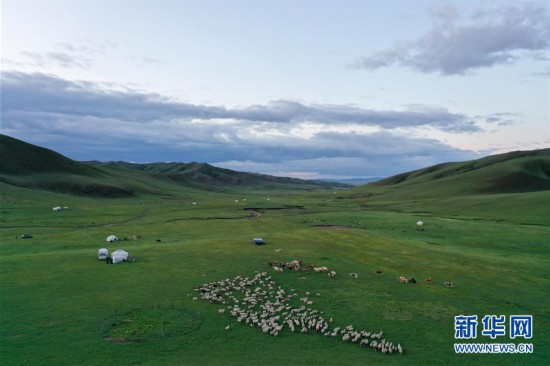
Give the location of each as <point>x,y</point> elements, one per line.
<point>412,280</point>
<point>379,271</point>
<point>158,240</point>
<point>428,280</point>
<point>294,265</point>
<point>448,283</point>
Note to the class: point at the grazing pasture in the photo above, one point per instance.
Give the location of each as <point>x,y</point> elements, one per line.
<point>60,305</point>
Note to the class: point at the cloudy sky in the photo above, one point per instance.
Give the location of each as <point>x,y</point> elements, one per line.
<point>309,89</point>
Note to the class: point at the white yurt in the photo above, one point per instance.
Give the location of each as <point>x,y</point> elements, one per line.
<point>119,255</point>
<point>103,253</point>
<point>111,238</point>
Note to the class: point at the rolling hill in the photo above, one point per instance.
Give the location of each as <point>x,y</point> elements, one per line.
<point>26,165</point>
<point>513,187</point>
<point>513,172</point>
<point>203,175</point>
<point>20,158</point>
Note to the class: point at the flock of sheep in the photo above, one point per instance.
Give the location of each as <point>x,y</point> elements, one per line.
<point>260,302</point>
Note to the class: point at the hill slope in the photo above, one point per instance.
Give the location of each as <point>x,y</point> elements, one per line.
<point>513,172</point>
<point>21,158</point>
<point>26,165</point>
<point>203,175</point>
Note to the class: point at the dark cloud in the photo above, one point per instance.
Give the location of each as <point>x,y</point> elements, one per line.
<point>490,38</point>
<point>350,154</point>
<point>37,93</point>
<point>291,111</point>
<point>87,121</point>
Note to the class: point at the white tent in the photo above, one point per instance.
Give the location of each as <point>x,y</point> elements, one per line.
<point>112,238</point>
<point>119,255</point>
<point>103,253</point>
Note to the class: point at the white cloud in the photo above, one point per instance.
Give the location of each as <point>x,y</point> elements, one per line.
<point>488,38</point>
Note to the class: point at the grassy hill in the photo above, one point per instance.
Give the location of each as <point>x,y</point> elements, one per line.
<point>203,175</point>
<point>21,158</point>
<point>26,165</point>
<point>513,187</point>
<point>30,166</point>
<point>514,172</point>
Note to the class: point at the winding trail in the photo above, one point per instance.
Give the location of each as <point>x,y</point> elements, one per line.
<point>141,215</point>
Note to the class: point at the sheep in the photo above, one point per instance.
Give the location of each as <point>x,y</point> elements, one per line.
<point>332,274</point>
<point>353,275</point>
<point>402,279</point>
<point>264,305</point>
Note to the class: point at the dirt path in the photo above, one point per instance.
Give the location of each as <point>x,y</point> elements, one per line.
<point>141,215</point>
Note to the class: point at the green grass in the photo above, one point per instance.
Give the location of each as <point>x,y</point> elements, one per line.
<point>513,172</point>
<point>28,166</point>
<point>61,306</point>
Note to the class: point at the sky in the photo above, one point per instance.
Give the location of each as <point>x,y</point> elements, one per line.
<point>308,89</point>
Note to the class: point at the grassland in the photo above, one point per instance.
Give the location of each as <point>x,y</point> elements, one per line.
<point>62,306</point>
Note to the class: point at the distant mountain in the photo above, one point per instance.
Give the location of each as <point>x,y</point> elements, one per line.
<point>26,165</point>
<point>513,172</point>
<point>206,175</point>
<point>355,181</point>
